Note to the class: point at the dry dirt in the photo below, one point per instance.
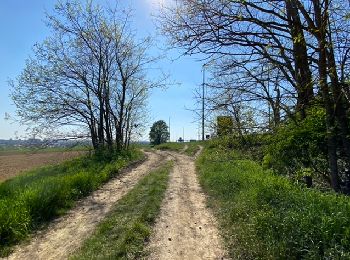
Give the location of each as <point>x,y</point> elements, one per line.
<point>14,164</point>
<point>67,233</point>
<point>186,229</point>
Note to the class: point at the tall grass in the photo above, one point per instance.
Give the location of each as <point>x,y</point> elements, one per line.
<point>122,235</point>
<point>264,216</point>
<point>29,200</point>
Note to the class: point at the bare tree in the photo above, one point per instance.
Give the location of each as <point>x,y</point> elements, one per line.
<point>300,47</point>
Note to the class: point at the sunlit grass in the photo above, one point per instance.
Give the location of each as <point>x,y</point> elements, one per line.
<point>189,148</point>
<point>265,216</point>
<point>31,199</point>
<point>122,235</point>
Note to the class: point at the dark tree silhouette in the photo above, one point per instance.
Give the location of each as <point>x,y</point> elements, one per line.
<point>159,133</point>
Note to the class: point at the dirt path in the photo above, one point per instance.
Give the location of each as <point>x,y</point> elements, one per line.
<point>66,234</point>
<point>185,229</point>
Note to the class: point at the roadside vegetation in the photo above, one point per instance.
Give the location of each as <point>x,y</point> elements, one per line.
<point>280,68</point>
<point>266,216</point>
<point>189,149</point>
<point>122,235</point>
<point>29,200</point>
<point>176,147</point>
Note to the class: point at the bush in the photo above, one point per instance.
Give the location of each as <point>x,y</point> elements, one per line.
<point>299,145</point>
<point>251,145</point>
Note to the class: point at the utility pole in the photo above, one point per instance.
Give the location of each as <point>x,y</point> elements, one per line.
<point>169,130</point>
<point>203,85</point>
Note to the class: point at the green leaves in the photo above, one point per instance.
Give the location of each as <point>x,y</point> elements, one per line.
<point>159,133</point>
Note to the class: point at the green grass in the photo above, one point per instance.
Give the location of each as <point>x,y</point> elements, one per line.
<point>29,200</point>
<point>176,147</point>
<point>265,216</point>
<point>192,147</point>
<point>122,235</point>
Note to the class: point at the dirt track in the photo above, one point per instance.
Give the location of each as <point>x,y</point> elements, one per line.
<point>186,228</point>
<point>66,234</point>
<point>13,164</point>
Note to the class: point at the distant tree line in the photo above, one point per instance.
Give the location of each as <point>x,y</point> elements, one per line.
<point>276,62</point>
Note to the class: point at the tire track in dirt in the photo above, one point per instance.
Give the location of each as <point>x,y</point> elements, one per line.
<point>186,229</point>
<point>65,234</point>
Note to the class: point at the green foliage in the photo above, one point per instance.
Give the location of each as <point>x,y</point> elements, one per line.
<point>159,133</point>
<point>29,200</point>
<point>265,216</point>
<point>224,125</point>
<point>251,145</point>
<point>299,145</point>
<point>123,233</point>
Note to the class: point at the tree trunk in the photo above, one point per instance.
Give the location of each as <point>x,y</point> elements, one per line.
<point>328,103</point>
<point>303,76</point>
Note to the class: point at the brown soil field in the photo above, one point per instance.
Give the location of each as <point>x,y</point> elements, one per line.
<point>15,164</point>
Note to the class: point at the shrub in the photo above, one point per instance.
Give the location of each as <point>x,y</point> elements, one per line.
<point>299,145</point>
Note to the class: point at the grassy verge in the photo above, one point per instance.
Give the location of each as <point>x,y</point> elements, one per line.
<point>29,200</point>
<point>176,147</point>
<point>192,147</point>
<point>123,233</point>
<point>264,216</point>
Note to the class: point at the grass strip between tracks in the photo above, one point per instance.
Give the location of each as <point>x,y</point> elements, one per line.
<point>123,233</point>
<point>191,147</point>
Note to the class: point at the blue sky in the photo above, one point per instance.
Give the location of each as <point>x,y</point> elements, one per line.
<point>22,25</point>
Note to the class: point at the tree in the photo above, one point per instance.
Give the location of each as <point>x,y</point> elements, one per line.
<point>90,74</point>
<point>301,47</point>
<point>159,133</point>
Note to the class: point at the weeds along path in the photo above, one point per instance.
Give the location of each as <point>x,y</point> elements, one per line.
<point>66,234</point>
<point>186,229</point>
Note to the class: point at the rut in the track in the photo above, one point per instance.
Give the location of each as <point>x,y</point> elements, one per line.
<point>186,229</point>
<point>66,234</point>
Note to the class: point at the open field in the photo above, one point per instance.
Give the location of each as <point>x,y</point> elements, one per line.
<point>12,164</point>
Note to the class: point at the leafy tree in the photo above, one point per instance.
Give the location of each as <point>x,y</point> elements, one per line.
<point>159,133</point>
<point>89,75</point>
